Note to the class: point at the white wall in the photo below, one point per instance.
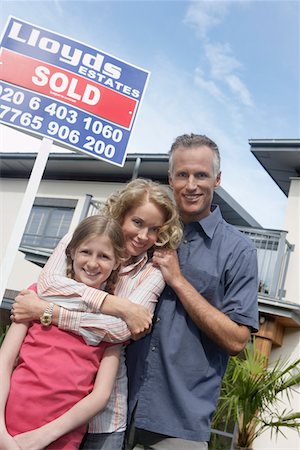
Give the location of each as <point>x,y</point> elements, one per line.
<point>292,224</point>
<point>11,196</point>
<point>290,349</point>
<point>24,273</point>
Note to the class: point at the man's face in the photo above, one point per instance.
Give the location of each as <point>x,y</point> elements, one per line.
<point>193,181</point>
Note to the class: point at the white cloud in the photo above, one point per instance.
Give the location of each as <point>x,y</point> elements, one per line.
<point>58,8</point>
<point>222,64</point>
<point>238,87</point>
<point>221,59</point>
<point>171,107</point>
<point>208,85</point>
<point>204,15</point>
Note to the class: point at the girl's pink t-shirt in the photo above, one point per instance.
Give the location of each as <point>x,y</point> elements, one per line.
<point>55,370</point>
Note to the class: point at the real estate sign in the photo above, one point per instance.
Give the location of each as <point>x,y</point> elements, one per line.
<point>76,95</point>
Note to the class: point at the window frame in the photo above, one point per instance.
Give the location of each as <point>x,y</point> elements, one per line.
<point>39,252</point>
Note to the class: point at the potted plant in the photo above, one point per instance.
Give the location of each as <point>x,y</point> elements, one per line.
<point>251,396</point>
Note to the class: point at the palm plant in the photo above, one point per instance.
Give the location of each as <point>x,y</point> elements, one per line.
<point>251,396</point>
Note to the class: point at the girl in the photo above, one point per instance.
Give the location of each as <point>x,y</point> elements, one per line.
<point>149,220</point>
<point>56,369</point>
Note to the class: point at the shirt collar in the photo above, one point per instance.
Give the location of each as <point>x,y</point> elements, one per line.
<point>209,223</point>
<point>136,266</point>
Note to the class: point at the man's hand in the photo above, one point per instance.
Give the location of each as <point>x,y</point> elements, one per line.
<point>138,320</point>
<point>27,307</point>
<point>167,262</point>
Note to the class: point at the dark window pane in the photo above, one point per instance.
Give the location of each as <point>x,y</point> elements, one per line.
<point>46,226</point>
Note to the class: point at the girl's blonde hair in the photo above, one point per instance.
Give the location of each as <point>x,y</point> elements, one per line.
<point>91,227</point>
<point>136,193</point>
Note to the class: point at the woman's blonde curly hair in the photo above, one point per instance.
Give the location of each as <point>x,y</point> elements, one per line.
<point>136,193</point>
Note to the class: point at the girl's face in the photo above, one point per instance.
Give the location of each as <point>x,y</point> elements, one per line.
<point>141,227</point>
<point>94,260</point>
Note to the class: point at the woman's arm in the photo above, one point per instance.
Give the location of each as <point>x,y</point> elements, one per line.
<point>92,327</point>
<point>134,315</point>
<point>82,411</point>
<point>73,295</point>
<point>128,319</point>
<point>8,354</point>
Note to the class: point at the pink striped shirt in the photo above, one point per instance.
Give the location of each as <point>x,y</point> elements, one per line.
<point>140,282</point>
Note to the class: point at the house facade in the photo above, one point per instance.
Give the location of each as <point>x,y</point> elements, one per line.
<point>74,186</point>
<point>280,331</point>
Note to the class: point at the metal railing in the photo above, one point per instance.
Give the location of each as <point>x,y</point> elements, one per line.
<point>95,207</point>
<point>273,253</point>
<point>90,207</point>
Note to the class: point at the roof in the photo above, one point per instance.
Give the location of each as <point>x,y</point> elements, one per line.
<point>286,313</point>
<point>79,167</point>
<point>280,158</point>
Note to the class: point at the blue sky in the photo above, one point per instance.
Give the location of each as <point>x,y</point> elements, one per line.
<point>227,69</point>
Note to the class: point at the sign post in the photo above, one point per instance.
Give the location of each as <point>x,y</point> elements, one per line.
<point>24,212</point>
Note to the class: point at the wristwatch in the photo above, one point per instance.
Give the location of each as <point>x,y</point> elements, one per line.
<point>46,318</point>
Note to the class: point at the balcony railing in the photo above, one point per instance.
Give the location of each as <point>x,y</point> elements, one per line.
<point>273,253</point>
<point>90,207</point>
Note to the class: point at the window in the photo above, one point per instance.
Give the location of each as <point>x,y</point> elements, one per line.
<point>48,222</point>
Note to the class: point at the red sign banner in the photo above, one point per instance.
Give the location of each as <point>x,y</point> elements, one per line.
<point>61,84</point>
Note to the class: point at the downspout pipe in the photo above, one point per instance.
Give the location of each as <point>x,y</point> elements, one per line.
<point>136,168</point>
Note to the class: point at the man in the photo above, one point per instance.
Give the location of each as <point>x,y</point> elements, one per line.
<point>205,313</point>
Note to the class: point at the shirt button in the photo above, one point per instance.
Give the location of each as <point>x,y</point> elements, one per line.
<point>185,241</point>
<point>157,319</point>
<point>153,348</point>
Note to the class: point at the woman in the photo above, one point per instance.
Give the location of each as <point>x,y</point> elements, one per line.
<point>149,220</point>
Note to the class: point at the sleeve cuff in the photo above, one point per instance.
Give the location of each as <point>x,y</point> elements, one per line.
<point>93,299</point>
<point>69,320</point>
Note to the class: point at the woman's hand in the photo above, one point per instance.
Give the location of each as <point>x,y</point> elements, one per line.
<point>138,319</point>
<point>28,306</point>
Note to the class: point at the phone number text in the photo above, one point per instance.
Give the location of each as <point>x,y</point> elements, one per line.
<point>72,126</point>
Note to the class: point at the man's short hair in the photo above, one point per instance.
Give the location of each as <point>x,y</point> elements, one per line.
<point>192,141</point>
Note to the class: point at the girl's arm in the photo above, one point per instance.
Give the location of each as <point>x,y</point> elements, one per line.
<point>8,353</point>
<point>82,411</point>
